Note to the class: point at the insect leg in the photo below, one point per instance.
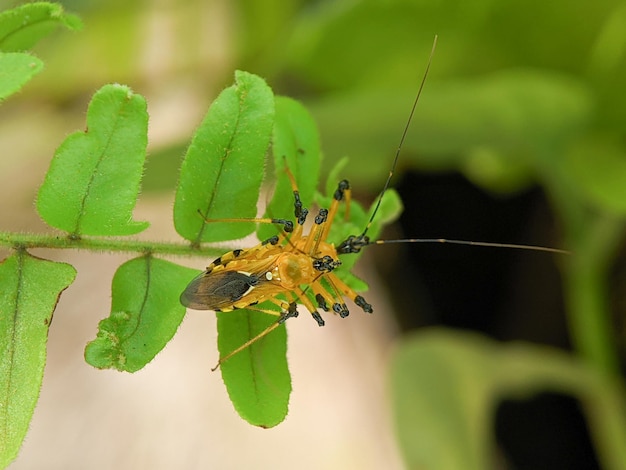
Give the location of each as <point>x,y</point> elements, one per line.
<point>301,296</point>
<point>251,341</point>
<point>322,296</point>
<point>288,310</point>
<point>327,293</point>
<point>255,252</point>
<point>287,224</point>
<point>299,211</point>
<point>284,314</point>
<point>349,292</point>
<point>325,217</point>
<point>342,193</point>
<point>316,233</point>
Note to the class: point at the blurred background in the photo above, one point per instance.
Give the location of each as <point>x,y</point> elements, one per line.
<point>519,137</point>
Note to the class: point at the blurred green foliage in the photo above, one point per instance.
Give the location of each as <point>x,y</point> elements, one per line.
<point>520,93</point>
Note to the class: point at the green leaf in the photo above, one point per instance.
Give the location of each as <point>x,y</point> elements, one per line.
<point>93,181</point>
<point>446,386</point>
<point>260,30</point>
<point>382,38</point>
<point>596,165</point>
<point>296,141</point>
<point>29,293</point>
<point>15,70</point>
<point>257,378</point>
<point>145,314</point>
<point>223,169</point>
<point>342,227</point>
<point>333,178</point>
<point>510,114</point>
<point>22,27</point>
<point>390,209</point>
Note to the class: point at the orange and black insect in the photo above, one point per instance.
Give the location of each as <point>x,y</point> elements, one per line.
<point>282,264</point>
<point>297,266</point>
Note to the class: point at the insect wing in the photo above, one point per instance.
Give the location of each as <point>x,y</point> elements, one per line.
<point>218,290</point>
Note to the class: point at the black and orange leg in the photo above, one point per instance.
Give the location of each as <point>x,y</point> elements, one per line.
<point>254,251</point>
<point>287,225</point>
<point>342,193</point>
<point>287,310</point>
<point>329,297</point>
<point>349,292</point>
<point>300,212</point>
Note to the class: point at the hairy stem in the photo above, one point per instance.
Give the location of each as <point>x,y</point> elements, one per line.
<point>32,240</point>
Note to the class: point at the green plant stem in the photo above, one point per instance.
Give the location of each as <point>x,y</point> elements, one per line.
<point>593,238</point>
<point>586,291</point>
<point>32,240</point>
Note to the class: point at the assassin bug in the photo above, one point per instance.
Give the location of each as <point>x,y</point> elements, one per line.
<point>295,267</point>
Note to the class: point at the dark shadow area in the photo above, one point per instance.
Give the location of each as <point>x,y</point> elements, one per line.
<point>547,431</point>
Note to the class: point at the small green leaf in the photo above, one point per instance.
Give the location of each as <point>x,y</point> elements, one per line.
<point>29,293</point>
<point>257,378</point>
<point>15,70</point>
<point>222,171</point>
<point>388,211</point>
<point>145,313</point>
<point>446,386</point>
<point>334,177</point>
<point>92,185</point>
<point>296,140</point>
<point>22,27</point>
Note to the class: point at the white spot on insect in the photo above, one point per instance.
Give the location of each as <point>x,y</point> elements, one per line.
<point>250,289</point>
<point>268,276</point>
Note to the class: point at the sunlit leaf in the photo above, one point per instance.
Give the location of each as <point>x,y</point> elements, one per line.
<point>222,171</point>
<point>145,314</point>
<point>257,378</point>
<point>16,69</point>
<point>388,211</point>
<point>22,27</point>
<point>28,295</point>
<point>93,181</point>
<point>295,142</point>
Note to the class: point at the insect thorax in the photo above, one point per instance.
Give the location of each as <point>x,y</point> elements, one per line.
<point>295,267</point>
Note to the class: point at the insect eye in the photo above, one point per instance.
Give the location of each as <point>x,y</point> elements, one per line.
<point>326,264</point>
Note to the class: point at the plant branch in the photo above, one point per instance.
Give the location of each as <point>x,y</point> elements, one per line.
<point>33,240</point>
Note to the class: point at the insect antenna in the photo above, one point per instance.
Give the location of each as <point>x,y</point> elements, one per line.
<point>354,243</point>
<point>402,139</point>
<point>471,243</point>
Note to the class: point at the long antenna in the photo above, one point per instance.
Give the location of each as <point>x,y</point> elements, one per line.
<point>404,133</point>
<point>465,242</point>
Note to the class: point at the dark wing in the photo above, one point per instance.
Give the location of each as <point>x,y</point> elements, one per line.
<point>218,290</point>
